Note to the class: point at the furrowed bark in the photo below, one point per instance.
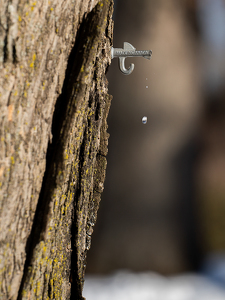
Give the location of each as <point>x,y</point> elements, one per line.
<point>54,106</point>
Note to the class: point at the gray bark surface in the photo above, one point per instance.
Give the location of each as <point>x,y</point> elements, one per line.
<point>53,145</point>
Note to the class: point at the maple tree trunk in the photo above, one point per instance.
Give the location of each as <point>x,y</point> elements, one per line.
<point>53,145</point>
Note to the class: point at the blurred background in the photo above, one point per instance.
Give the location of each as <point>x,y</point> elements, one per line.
<point>163,207</point>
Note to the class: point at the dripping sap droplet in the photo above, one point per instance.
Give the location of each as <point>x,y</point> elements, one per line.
<point>144,120</point>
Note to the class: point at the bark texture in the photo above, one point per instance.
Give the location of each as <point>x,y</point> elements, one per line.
<point>53,107</point>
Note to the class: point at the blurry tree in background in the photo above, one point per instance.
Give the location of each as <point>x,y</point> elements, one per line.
<point>211,164</point>
<point>164,202</point>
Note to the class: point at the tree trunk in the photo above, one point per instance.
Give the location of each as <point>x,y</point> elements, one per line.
<point>54,106</point>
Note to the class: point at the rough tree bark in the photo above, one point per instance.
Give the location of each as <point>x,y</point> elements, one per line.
<point>53,108</point>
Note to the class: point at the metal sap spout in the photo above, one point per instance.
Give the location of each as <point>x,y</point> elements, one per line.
<point>128,51</point>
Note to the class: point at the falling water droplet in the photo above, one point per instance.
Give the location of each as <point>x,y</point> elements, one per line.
<point>146,86</point>
<point>144,120</point>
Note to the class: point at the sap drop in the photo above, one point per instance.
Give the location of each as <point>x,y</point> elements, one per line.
<point>144,120</point>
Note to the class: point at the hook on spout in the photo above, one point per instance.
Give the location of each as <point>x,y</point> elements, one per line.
<point>123,68</point>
